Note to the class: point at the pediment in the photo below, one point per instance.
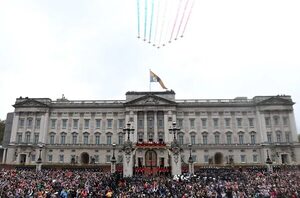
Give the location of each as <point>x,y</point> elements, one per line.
<point>276,100</point>
<point>30,103</point>
<point>150,100</point>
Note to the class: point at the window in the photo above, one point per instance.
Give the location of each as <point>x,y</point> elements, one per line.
<point>63,138</point>
<point>161,137</point>
<point>86,123</point>
<point>228,137</point>
<point>61,158</point>
<point>204,123</point>
<point>108,139</point>
<point>121,139</point>
<point>180,123</point>
<point>36,138</point>
<point>85,138</point>
<point>19,138</point>
<point>96,158</point>
<point>53,123</point>
<point>109,123</point>
<point>97,138</point>
<point>141,137</point>
<point>150,137</point>
<point>121,123</point>
<point>269,137</point>
<point>193,138</point>
<point>192,123</point>
<point>227,122</point>
<point>21,124</point>
<point>141,124</point>
<point>98,123</point>
<point>217,138</point>
<point>243,158</point>
<point>74,138</point>
<point>206,157</point>
<point>254,158</point>
<point>216,122</point>
<point>50,158</point>
<point>27,137</point>
<point>29,122</point>
<point>107,158</point>
<point>37,123</point>
<point>75,124</point>
<point>251,124</point>
<point>120,159</point>
<point>64,123</point>
<point>32,157</point>
<point>285,121</point>
<point>180,138</point>
<point>239,122</point>
<point>241,138</point>
<point>204,136</point>
<point>267,121</point>
<point>276,120</point>
<point>287,137</point>
<point>252,138</point>
<point>52,135</point>
<point>160,123</point>
<point>278,136</point>
<point>194,157</point>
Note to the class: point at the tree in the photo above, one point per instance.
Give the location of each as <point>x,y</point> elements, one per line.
<point>2,126</point>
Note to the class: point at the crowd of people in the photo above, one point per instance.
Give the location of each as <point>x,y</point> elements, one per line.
<point>214,182</point>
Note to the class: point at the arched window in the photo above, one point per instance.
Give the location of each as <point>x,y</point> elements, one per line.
<point>27,137</point>
<point>204,136</point>
<point>74,138</point>
<point>86,138</point>
<point>121,138</point>
<point>269,137</point>
<point>97,138</point>
<point>193,138</point>
<point>180,138</point>
<point>278,136</point>
<point>63,138</point>
<point>241,137</point>
<point>253,137</point>
<point>108,138</point>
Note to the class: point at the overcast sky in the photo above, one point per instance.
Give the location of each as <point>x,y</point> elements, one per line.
<point>89,50</point>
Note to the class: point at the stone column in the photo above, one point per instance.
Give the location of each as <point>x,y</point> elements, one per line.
<point>15,127</point>
<point>176,163</point>
<point>4,156</point>
<point>155,137</point>
<point>128,164</point>
<point>293,128</point>
<point>145,127</point>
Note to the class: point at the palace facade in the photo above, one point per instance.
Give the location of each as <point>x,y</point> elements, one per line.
<point>220,131</point>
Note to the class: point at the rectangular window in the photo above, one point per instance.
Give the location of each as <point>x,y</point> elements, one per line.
<point>33,158</point>
<point>97,141</point>
<point>51,139</point>
<point>180,137</point>
<point>204,139</point>
<point>61,158</point>
<point>180,123</point>
<point>227,122</point>
<point>107,158</point>
<point>85,139</point>
<point>216,122</point>
<point>50,158</point>
<point>160,123</point>
<point>19,140</point>
<point>108,140</point>
<point>287,137</point>
<point>285,121</point>
<point>192,123</point>
<point>109,123</point>
<point>241,139</point>
<point>75,124</point>
<point>86,123</point>
<point>278,136</point>
<point>239,122</point>
<point>37,123</point>
<point>206,157</point>
<point>254,158</point>
<point>253,139</point>
<point>29,122</point>
<point>36,138</point>
<point>53,123</point>
<point>243,158</point>
<point>217,139</point>
<point>276,120</point>
<point>64,123</point>
<point>267,121</point>
<point>121,139</point>
<point>74,139</point>
<point>204,123</point>
<point>251,123</point>
<point>27,138</point>
<point>98,123</point>
<point>121,123</point>
<point>194,157</point>
<point>96,158</point>
<point>228,136</point>
<point>269,137</point>
<point>193,139</point>
<point>63,139</point>
<point>140,124</point>
<point>21,123</point>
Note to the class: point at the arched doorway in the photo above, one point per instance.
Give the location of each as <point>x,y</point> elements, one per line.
<point>218,158</point>
<point>22,158</point>
<point>84,158</point>
<point>151,158</point>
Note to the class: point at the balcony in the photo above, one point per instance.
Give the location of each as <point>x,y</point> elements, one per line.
<point>150,145</point>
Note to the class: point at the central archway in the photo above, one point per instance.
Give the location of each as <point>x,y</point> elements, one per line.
<point>151,158</point>
<point>84,158</point>
<point>218,158</point>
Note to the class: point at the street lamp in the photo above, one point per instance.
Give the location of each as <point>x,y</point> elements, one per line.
<point>128,129</point>
<point>190,158</point>
<point>39,160</point>
<point>174,129</point>
<point>268,161</point>
<point>113,159</point>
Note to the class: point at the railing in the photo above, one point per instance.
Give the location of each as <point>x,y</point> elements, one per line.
<point>89,102</point>
<point>214,101</point>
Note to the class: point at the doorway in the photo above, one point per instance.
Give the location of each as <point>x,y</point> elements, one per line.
<point>22,158</point>
<point>284,158</point>
<point>151,158</point>
<point>85,158</point>
<point>218,158</point>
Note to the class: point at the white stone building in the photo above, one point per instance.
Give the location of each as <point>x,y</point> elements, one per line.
<point>221,131</point>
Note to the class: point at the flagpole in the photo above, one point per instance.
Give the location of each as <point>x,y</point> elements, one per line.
<point>150,81</point>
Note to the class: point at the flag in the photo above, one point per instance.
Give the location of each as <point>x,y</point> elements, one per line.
<point>155,78</point>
